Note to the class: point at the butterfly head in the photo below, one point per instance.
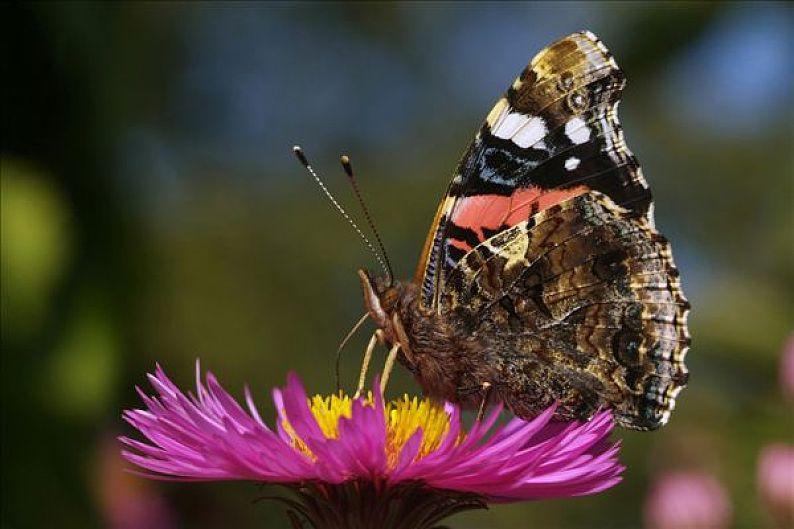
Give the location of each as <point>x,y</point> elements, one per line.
<point>380,297</point>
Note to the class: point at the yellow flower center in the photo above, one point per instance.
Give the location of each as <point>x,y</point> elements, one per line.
<point>403,417</point>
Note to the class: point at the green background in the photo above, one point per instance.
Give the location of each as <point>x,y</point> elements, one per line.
<point>152,212</point>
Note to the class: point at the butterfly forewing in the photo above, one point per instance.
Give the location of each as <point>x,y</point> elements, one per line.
<point>552,136</point>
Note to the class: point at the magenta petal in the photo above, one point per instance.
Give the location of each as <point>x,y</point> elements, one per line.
<point>210,436</point>
<point>297,411</point>
<point>409,452</point>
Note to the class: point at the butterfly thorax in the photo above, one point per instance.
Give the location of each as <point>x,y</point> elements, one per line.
<point>443,357</point>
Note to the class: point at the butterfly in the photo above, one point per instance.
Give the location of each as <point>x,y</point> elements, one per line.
<point>543,278</point>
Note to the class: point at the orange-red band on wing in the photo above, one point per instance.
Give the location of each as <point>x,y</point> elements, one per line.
<point>491,212</point>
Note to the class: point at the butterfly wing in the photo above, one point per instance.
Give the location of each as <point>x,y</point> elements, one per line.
<point>583,306</point>
<point>553,135</point>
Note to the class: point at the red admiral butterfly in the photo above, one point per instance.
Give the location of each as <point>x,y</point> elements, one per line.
<point>543,278</point>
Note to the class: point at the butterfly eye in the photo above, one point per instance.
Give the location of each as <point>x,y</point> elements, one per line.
<point>389,299</point>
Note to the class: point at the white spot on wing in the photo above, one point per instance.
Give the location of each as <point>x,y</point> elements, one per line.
<point>572,163</point>
<point>532,132</point>
<point>509,125</point>
<point>524,131</point>
<point>577,131</point>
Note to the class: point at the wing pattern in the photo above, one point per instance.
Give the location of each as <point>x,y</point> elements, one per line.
<point>583,304</point>
<point>552,136</point>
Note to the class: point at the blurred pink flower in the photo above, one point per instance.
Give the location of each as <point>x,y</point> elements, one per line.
<point>126,502</point>
<point>787,367</point>
<point>330,444</point>
<point>687,500</point>
<point>775,479</point>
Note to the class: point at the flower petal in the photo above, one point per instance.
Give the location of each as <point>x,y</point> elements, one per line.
<point>210,436</point>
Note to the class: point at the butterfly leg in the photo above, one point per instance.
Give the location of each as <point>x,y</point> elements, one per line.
<point>402,336</point>
<point>387,369</point>
<point>376,337</point>
<point>349,335</point>
<point>486,393</point>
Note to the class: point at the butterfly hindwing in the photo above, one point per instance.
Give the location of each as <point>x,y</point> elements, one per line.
<point>584,303</point>
<point>552,136</point>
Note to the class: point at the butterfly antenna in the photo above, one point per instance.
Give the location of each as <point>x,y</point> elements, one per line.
<point>348,167</point>
<point>303,160</point>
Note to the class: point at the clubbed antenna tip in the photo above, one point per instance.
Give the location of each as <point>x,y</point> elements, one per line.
<point>383,261</point>
<point>298,151</point>
<point>345,159</point>
<point>348,167</point>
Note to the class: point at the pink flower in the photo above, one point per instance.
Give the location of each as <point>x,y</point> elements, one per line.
<point>775,478</point>
<point>124,501</point>
<point>687,500</point>
<point>323,446</point>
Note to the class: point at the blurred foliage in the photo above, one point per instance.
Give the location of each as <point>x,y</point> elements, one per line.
<point>151,211</point>
<point>36,245</point>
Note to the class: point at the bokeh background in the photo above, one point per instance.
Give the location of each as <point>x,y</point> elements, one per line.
<point>152,212</point>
